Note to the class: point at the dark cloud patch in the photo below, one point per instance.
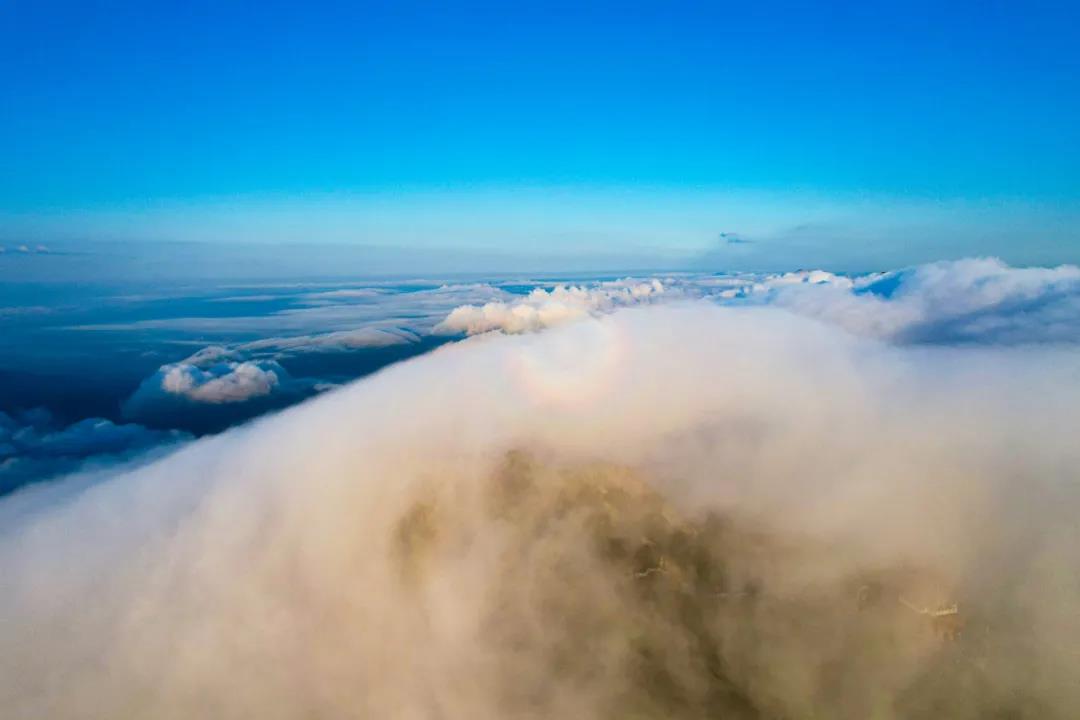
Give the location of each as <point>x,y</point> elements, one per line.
<point>731,238</point>
<point>34,446</point>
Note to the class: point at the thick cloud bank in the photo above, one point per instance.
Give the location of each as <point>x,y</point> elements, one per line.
<point>672,511</point>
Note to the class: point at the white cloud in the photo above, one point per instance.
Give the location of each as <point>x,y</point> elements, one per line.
<point>222,383</point>
<point>974,300</point>
<point>979,300</point>
<point>547,308</point>
<point>366,337</point>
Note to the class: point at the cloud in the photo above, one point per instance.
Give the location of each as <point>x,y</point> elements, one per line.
<point>34,447</point>
<point>219,375</point>
<point>23,310</point>
<point>683,510</point>
<point>366,337</point>
<point>547,308</point>
<point>973,300</point>
<point>407,307</point>
<point>345,294</point>
<point>30,249</point>
<point>976,300</point>
<point>215,395</point>
<point>299,349</point>
<point>730,238</point>
<point>222,383</point>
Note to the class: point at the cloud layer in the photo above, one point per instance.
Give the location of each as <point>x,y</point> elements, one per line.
<point>976,300</point>
<point>979,300</point>
<point>676,511</point>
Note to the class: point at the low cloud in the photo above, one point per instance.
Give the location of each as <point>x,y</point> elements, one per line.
<point>684,510</point>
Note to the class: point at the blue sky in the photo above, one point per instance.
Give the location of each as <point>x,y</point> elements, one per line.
<point>865,131</point>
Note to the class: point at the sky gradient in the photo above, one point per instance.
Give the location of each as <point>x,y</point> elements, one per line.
<point>837,134</point>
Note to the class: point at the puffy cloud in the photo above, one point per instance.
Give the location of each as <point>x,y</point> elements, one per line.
<point>222,383</point>
<point>685,510</point>
<point>215,396</point>
<point>546,308</point>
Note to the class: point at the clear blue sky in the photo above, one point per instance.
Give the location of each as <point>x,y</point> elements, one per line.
<point>206,118</point>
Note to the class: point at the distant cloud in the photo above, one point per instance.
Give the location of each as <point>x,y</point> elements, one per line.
<point>229,381</point>
<point>367,337</point>
<point>17,310</point>
<point>408,308</point>
<point>730,238</point>
<point>546,308</point>
<point>974,300</point>
<point>221,383</point>
<point>209,354</point>
<point>981,300</point>
<point>345,294</point>
<point>245,298</point>
<point>318,336</point>
<point>25,249</point>
<point>34,446</point>
<point>215,395</point>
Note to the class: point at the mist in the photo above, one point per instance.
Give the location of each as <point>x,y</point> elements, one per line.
<point>668,511</point>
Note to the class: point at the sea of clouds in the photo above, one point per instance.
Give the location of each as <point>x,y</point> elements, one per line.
<point>977,300</point>
<point>681,496</point>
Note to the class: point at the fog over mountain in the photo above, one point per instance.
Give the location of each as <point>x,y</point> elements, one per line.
<point>758,496</point>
